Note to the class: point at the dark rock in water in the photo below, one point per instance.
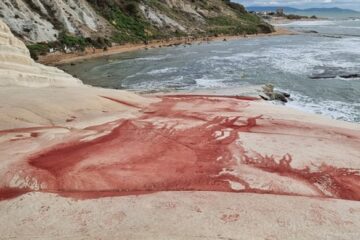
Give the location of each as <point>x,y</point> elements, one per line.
<point>328,76</point>
<point>272,95</point>
<point>333,72</point>
<point>311,31</point>
<point>354,75</point>
<point>286,94</point>
<point>264,98</point>
<point>322,76</point>
<point>280,96</point>
<point>331,36</point>
<point>190,82</point>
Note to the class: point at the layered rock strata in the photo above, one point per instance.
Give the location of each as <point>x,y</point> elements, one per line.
<point>18,69</point>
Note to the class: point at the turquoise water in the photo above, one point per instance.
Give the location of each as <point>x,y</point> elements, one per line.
<point>308,65</point>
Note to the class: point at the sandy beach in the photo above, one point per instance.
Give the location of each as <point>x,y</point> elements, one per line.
<point>59,58</point>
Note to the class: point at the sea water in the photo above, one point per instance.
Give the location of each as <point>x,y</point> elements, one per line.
<point>308,65</point>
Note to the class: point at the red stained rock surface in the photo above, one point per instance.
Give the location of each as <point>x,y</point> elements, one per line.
<point>174,147</point>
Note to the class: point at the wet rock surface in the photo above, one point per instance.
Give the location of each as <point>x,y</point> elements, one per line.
<point>273,95</point>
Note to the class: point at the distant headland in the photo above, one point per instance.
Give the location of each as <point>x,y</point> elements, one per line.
<point>320,12</point>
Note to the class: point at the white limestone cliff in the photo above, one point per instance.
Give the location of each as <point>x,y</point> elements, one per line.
<point>35,20</point>
<point>18,69</point>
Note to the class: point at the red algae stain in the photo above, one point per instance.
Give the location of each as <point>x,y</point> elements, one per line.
<point>34,134</point>
<point>71,119</point>
<point>228,218</point>
<point>10,193</point>
<point>340,182</point>
<point>121,102</point>
<point>138,157</point>
<point>20,137</point>
<point>245,98</point>
<point>141,156</point>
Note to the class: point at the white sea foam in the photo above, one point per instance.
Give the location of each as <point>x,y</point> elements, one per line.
<point>134,75</point>
<point>351,27</point>
<point>334,109</point>
<point>176,82</point>
<point>206,82</point>
<point>113,63</point>
<point>303,58</point>
<point>220,51</point>
<point>308,23</point>
<point>154,58</point>
<point>347,45</point>
<point>162,71</point>
<point>300,58</point>
<point>189,53</point>
<point>237,56</point>
<point>347,79</point>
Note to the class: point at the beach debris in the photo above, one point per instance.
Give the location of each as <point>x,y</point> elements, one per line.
<point>273,95</point>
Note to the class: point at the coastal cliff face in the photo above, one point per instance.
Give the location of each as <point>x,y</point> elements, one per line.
<point>43,20</point>
<point>125,21</point>
<point>17,68</point>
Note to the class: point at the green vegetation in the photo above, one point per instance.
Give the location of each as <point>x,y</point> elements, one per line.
<point>38,49</point>
<point>67,41</point>
<point>126,18</point>
<point>246,24</point>
<point>72,41</point>
<point>242,23</point>
<point>298,17</point>
<point>130,28</point>
<point>130,24</point>
<point>237,7</point>
<point>294,17</point>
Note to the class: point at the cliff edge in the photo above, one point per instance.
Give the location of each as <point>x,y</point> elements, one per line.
<point>73,25</point>
<point>18,69</point>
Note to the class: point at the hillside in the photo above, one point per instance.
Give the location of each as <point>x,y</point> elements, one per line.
<point>79,23</point>
<point>321,12</point>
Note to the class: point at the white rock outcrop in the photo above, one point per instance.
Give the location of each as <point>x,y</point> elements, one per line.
<point>159,19</point>
<point>27,23</point>
<point>37,20</point>
<point>18,69</point>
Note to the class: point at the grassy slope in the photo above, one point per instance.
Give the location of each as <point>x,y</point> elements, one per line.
<point>223,17</point>
<point>226,18</point>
